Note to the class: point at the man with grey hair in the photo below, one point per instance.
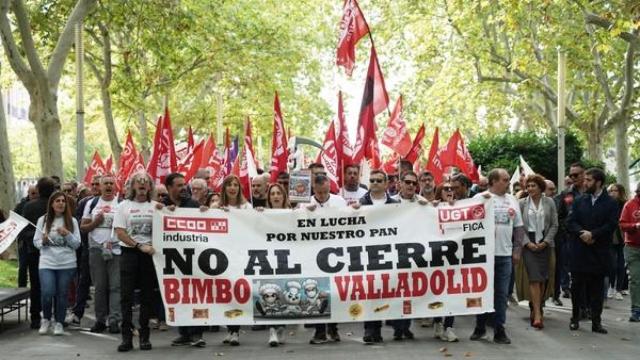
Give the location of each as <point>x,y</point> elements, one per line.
<point>508,226</point>
<point>550,190</point>
<point>199,191</point>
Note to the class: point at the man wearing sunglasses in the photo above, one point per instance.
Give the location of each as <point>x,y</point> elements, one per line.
<point>565,201</point>
<point>377,195</point>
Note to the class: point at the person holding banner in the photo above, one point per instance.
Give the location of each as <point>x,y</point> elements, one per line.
<point>541,223</point>
<point>57,237</point>
<point>231,197</point>
<point>352,191</point>
<point>322,197</point>
<point>277,198</point>
<point>133,222</point>
<point>178,196</point>
<point>407,194</point>
<point>377,195</point>
<point>449,191</point>
<point>509,239</point>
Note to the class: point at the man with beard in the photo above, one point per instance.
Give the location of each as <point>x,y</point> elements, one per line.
<point>591,223</point>
<point>427,186</point>
<point>259,185</point>
<point>352,191</point>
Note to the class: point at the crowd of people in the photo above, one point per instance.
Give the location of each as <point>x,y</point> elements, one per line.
<point>582,244</point>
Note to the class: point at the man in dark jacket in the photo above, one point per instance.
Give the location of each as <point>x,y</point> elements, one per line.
<point>591,223</point>
<point>32,194</point>
<point>32,211</point>
<point>376,195</point>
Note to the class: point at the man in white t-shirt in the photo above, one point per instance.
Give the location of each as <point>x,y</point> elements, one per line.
<point>352,191</point>
<point>104,262</point>
<point>322,198</point>
<point>509,231</point>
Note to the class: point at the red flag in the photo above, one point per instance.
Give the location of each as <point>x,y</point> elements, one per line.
<point>344,151</point>
<point>185,149</point>
<point>376,162</point>
<point>459,156</point>
<point>137,166</point>
<point>108,165</point>
<point>163,160</point>
<point>391,166</point>
<point>435,165</point>
<point>207,152</point>
<point>248,139</point>
<point>125,164</point>
<point>416,147</point>
<point>329,157</point>
<point>95,168</point>
<point>228,164</point>
<point>353,27</point>
<point>279,155</point>
<point>192,161</point>
<point>374,100</point>
<point>416,167</point>
<point>190,141</point>
<point>396,136</point>
<point>235,169</point>
<point>216,169</point>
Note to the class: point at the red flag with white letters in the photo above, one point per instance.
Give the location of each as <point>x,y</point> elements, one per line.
<point>125,164</point>
<point>279,153</point>
<point>434,164</point>
<point>163,159</point>
<point>396,135</point>
<point>344,151</point>
<point>353,27</point>
<point>95,168</point>
<point>416,148</point>
<point>328,157</point>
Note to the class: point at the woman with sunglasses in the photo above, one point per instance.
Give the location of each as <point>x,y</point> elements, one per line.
<point>133,222</point>
<point>540,219</point>
<point>57,237</point>
<point>232,198</point>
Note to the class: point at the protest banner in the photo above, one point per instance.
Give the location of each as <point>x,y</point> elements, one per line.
<point>328,265</point>
<point>9,230</point>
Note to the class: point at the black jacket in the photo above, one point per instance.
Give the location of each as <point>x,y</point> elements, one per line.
<point>366,199</point>
<point>32,211</point>
<point>601,219</point>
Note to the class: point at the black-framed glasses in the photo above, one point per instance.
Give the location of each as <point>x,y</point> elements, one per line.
<point>376,181</point>
<point>447,188</point>
<point>410,182</point>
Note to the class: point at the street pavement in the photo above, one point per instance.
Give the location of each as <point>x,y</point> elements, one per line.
<point>17,341</point>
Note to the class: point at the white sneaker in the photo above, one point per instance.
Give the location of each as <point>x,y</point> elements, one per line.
<point>235,339</point>
<point>610,293</point>
<point>624,292</point>
<point>44,327</point>
<point>619,297</point>
<point>280,333</point>
<point>58,329</point>
<point>227,338</point>
<point>438,330</point>
<point>449,336</point>
<point>273,337</point>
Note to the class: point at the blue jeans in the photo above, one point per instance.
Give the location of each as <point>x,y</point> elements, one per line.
<point>55,283</point>
<point>501,278</point>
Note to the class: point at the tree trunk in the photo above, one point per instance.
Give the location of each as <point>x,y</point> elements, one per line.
<point>594,142</point>
<point>48,128</point>
<point>107,110</point>
<point>7,182</point>
<point>622,153</point>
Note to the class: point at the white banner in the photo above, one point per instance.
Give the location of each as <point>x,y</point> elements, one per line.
<point>330,265</point>
<point>10,229</point>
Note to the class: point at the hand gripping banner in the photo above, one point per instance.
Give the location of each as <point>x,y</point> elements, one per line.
<point>329,265</point>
